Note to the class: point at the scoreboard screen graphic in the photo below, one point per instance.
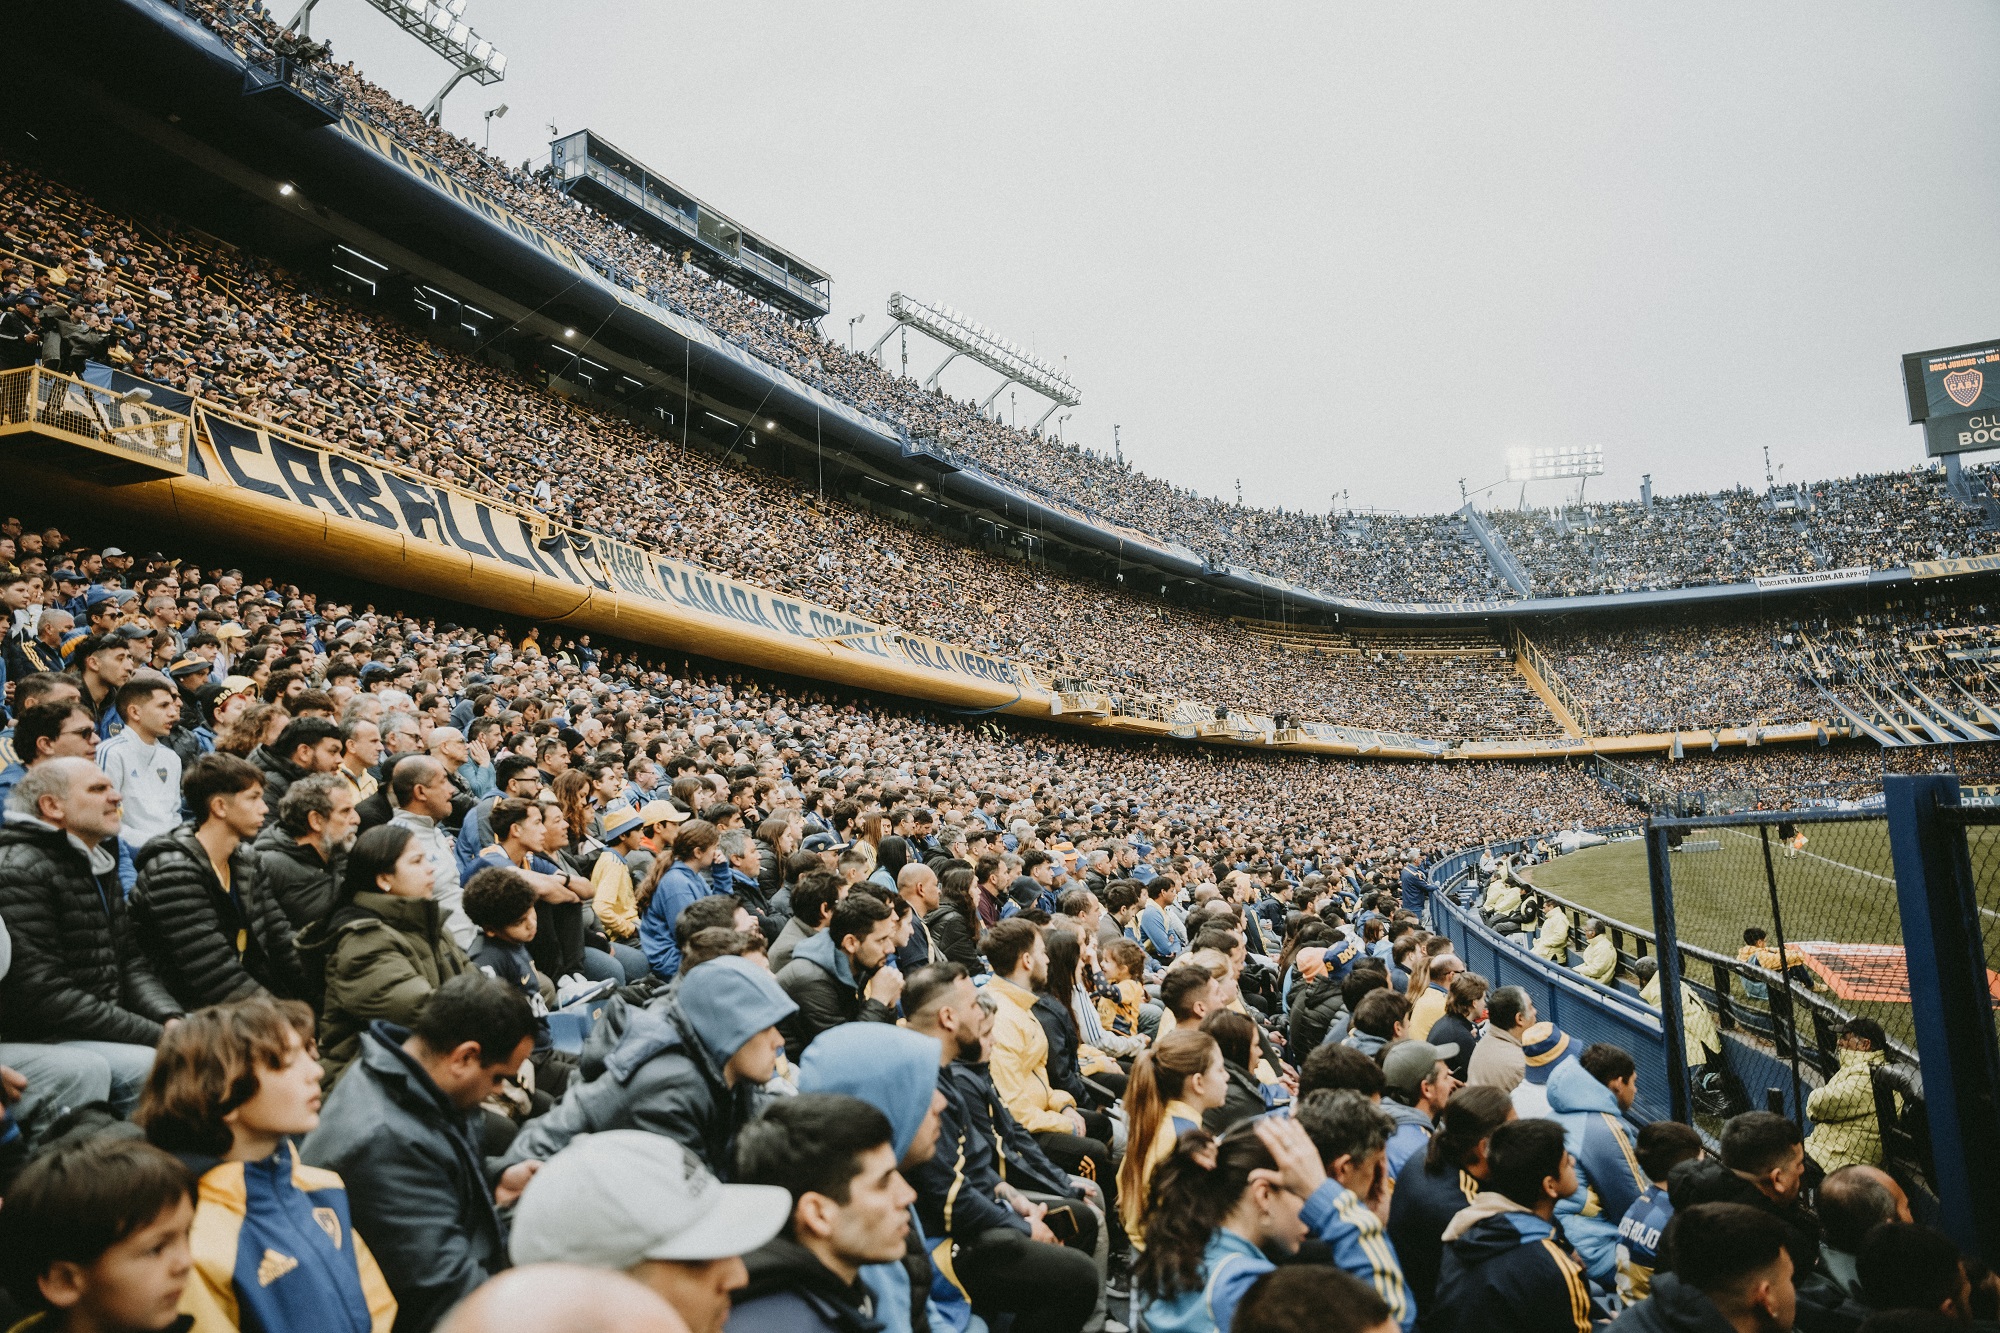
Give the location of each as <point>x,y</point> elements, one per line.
<point>1955,393</point>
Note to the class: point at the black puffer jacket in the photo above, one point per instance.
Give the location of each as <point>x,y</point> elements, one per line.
<point>303,883</point>
<point>190,926</point>
<point>1316,1006</point>
<point>956,938</point>
<point>279,775</point>
<point>78,974</point>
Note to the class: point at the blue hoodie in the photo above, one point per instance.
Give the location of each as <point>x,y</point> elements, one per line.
<point>1607,1166</point>
<point>681,885</point>
<point>895,1071</point>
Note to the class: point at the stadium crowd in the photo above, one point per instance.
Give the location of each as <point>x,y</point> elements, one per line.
<point>376,972</point>
<point>1667,673</point>
<point>1883,520</point>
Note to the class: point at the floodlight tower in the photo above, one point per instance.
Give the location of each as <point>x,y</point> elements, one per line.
<point>439,25</point>
<point>963,336</point>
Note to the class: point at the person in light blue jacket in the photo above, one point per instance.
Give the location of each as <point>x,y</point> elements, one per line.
<point>1589,1097</point>
<point>1219,1205</point>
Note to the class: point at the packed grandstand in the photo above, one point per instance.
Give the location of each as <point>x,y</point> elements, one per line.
<point>376,953</point>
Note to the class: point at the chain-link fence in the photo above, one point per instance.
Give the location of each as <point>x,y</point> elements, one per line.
<point>1982,850</point>
<point>1788,929</point>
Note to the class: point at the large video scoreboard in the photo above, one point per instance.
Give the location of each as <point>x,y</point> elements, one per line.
<point>1955,393</point>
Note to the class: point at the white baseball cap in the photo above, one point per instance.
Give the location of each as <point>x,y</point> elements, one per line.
<point>616,1199</point>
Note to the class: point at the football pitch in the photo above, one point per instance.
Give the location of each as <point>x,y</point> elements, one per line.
<point>1838,889</point>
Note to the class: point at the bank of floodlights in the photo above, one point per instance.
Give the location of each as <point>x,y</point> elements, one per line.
<point>1556,463</point>
<point>969,338</point>
<point>440,25</point>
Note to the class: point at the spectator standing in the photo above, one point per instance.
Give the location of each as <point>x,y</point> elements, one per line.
<point>403,1130</point>
<point>639,1204</point>
<point>144,769</point>
<point>77,975</point>
<point>274,1241</point>
<point>383,949</point>
<point>850,1208</point>
<point>840,975</point>
<point>200,909</point>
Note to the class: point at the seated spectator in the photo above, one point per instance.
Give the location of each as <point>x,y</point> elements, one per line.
<point>1600,956</point>
<point>1160,931</point>
<point>1212,1220</point>
<point>1120,995</point>
<point>1367,975</point>
<point>1590,1097</point>
<point>306,745</point>
<point>144,769</point>
<point>1846,1129</point>
<point>1172,1087</point>
<point>1544,1049</point>
<point>1334,1067</point>
<point>1020,1059</point>
<point>1307,1298</point>
<point>692,1066</point>
<point>812,903</point>
<point>636,1203</point>
<point>77,976</point>
<point>1236,1037</point>
<point>501,903</point>
<point>1188,994</point>
<point>1350,1133</point>
<point>383,949</point>
<point>953,924</point>
<point>1853,1201</point>
<point>1763,1165</point>
<point>1418,1084</point>
<point>56,727</point>
<point>233,1087</point>
<point>302,858</point>
<point>1701,1038</point>
<point>1552,937</point>
<point>403,1129</point>
<point>1005,1244</point>
<point>94,1238</point>
<point>685,880</point>
<point>611,886</point>
<point>839,975</point>
<point>1430,1193</point>
<point>1464,1011</point>
<point>200,909</point>
<point>1381,1019</point>
<point>917,885</point>
<point>1730,1271</point>
<point>850,1209</point>
<point>421,793</point>
<point>1662,1146</point>
<point>1907,1267</point>
<point>1429,1006</point>
<point>1506,1266</point>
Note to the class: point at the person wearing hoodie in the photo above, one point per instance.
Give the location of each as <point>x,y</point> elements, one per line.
<point>1846,1129</point>
<point>1506,1267</point>
<point>1589,1096</point>
<point>838,976</point>
<point>1544,1048</point>
<point>1435,1189</point>
<point>836,1157</point>
<point>1418,1083</point>
<point>692,1065</point>
<point>688,878</point>
<point>1763,1164</point>
<point>1731,1275</point>
<point>200,908</point>
<point>896,1072</point>
<point>1381,1017</point>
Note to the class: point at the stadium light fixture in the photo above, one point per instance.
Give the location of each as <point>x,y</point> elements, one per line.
<point>439,25</point>
<point>569,333</point>
<point>285,187</point>
<point>1555,463</point>
<point>967,337</point>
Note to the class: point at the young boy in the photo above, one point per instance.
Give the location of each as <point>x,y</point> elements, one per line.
<point>501,902</point>
<point>1122,994</point>
<point>95,1237</point>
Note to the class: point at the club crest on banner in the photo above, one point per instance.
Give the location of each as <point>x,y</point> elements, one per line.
<point>1964,386</point>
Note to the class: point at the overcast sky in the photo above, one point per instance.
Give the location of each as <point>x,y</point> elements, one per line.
<point>1326,247</point>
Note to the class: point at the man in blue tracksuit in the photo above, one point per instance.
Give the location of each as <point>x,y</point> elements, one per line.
<point>1506,1267</point>
<point>1589,1096</point>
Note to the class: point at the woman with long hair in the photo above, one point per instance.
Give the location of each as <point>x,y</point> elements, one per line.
<point>383,948</point>
<point>232,1087</point>
<point>573,791</point>
<point>1171,1086</point>
<point>1426,1200</point>
<point>954,922</point>
<point>1217,1207</point>
<point>1464,1011</point>
<point>890,858</point>
<point>1071,1062</point>
<point>1236,1035</point>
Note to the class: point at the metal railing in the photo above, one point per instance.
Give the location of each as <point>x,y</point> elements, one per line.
<point>38,401</point>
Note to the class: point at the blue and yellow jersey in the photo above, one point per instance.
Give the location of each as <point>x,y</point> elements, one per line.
<point>276,1252</point>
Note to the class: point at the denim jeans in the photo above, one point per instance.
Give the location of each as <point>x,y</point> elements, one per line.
<point>632,960</point>
<point>129,1066</point>
<point>60,1079</point>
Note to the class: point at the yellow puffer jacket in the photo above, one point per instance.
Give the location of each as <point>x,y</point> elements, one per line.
<point>1701,1037</point>
<point>1502,897</point>
<point>1600,960</point>
<point>1552,942</point>
<point>1845,1130</point>
<point>1020,1062</point>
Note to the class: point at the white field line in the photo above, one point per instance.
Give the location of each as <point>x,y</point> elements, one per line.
<point>1852,870</point>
